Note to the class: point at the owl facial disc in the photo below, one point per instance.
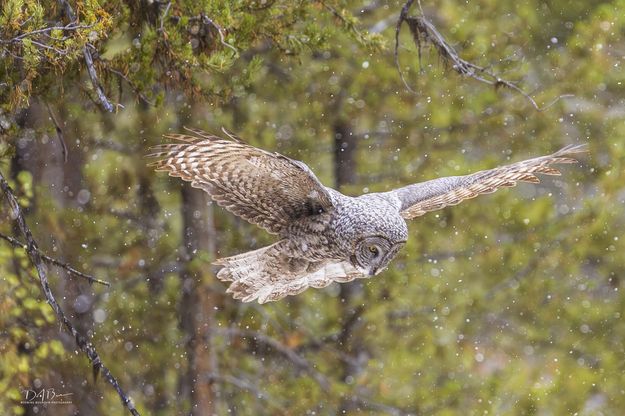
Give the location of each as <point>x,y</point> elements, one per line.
<point>372,254</point>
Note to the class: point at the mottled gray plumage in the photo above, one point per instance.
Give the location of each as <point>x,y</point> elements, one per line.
<point>325,236</point>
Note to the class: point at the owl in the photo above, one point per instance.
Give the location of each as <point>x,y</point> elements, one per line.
<point>323,236</point>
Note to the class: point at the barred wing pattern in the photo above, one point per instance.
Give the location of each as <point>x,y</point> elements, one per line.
<point>264,188</point>
<point>420,198</point>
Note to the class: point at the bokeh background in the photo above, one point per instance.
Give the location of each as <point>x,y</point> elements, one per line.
<point>509,304</point>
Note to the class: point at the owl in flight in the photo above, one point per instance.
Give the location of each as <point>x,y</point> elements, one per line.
<point>324,236</point>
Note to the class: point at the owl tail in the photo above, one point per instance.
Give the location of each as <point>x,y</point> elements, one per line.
<point>250,273</point>
<point>267,274</point>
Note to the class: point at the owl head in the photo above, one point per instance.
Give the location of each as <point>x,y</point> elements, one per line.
<point>373,253</point>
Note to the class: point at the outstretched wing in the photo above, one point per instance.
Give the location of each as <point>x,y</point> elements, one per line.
<point>432,195</point>
<point>264,188</point>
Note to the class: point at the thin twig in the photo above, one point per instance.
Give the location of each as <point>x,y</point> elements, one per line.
<point>45,32</point>
<point>423,30</point>
<point>57,263</point>
<point>48,47</point>
<point>83,344</point>
<point>59,132</point>
<point>164,16</point>
<point>14,56</point>
<point>26,21</point>
<point>206,19</point>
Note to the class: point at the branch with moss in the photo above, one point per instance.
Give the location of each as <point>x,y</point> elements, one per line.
<point>93,75</point>
<point>81,341</point>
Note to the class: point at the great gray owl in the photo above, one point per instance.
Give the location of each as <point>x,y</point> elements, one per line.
<point>325,236</point>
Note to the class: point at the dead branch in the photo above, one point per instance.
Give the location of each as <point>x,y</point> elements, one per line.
<point>424,32</point>
<point>35,257</point>
<point>69,269</point>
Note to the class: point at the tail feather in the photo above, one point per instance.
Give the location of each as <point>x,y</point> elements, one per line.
<point>267,274</point>
<point>238,267</point>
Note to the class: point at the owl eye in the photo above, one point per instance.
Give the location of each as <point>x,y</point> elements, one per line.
<point>374,250</point>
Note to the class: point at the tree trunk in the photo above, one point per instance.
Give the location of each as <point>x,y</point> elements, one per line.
<point>197,303</point>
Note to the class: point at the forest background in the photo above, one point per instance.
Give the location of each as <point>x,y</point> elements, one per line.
<point>508,304</point>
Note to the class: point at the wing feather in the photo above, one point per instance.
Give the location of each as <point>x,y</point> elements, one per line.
<point>267,189</point>
<point>418,199</point>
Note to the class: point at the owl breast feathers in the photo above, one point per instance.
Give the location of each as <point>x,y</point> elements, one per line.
<point>324,236</point>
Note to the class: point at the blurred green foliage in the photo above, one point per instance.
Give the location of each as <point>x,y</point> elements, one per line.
<point>509,304</point>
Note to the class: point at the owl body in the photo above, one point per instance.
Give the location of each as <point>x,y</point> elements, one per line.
<point>323,235</point>
<point>368,215</point>
<point>333,236</point>
<point>320,249</point>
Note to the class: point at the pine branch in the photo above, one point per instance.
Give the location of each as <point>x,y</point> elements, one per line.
<point>93,75</point>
